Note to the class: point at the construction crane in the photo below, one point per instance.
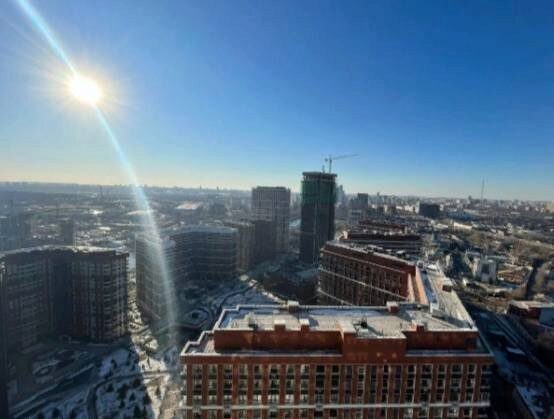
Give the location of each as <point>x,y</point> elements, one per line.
<point>330,159</point>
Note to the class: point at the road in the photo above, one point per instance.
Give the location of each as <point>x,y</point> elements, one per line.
<point>522,343</point>
<point>537,266</point>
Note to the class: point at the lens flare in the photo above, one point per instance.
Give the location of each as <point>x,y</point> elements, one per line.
<point>89,92</point>
<point>85,90</point>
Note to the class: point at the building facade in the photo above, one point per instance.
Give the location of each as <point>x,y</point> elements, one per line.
<point>166,262</point>
<point>264,241</point>
<point>67,232</point>
<point>272,203</point>
<point>360,276</point>
<point>429,210</point>
<point>63,290</point>
<point>291,361</point>
<point>99,295</point>
<point>16,230</point>
<point>245,244</point>
<point>410,244</point>
<point>317,224</point>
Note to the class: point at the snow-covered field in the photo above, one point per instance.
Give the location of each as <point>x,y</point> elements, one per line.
<point>73,407</point>
<point>131,397</point>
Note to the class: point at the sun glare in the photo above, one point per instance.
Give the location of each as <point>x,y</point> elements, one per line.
<point>85,90</point>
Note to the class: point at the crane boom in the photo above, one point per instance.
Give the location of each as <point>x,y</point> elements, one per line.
<point>340,157</point>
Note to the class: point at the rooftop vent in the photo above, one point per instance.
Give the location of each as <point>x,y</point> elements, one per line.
<point>419,326</point>
<point>392,307</point>
<point>251,321</point>
<point>304,325</point>
<point>293,306</point>
<point>279,325</point>
<point>447,286</point>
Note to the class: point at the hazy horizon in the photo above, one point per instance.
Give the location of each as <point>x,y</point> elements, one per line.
<point>248,189</point>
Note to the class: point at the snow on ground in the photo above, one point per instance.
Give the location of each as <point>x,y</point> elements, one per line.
<point>126,397</point>
<point>72,407</point>
<point>250,296</point>
<point>119,362</point>
<point>160,362</point>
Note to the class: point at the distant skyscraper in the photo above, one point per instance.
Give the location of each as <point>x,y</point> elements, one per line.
<point>362,201</point>
<point>317,215</point>
<point>273,204</point>
<point>67,232</point>
<point>341,195</point>
<point>429,210</point>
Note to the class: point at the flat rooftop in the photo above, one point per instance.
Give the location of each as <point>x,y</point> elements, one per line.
<point>334,331</point>
<point>364,251</point>
<point>165,237</point>
<point>364,321</point>
<point>62,248</point>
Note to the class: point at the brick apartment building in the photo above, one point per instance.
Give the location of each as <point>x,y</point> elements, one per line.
<point>409,244</point>
<point>358,275</point>
<point>398,361</point>
<point>79,291</point>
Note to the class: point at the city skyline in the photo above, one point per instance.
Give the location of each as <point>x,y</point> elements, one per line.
<point>210,95</point>
<point>262,210</point>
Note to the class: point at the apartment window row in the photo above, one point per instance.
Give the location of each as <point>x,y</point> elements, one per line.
<point>319,383</point>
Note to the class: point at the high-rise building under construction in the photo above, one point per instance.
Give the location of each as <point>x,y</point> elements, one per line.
<point>317,214</point>
<point>198,252</point>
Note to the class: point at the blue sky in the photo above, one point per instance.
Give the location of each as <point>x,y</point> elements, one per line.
<point>433,96</point>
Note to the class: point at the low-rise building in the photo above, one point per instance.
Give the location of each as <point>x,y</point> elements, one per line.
<point>410,244</point>
<point>536,310</point>
<point>360,275</point>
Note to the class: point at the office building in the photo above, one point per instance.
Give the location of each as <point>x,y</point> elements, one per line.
<point>361,276</point>
<point>78,291</point>
<point>429,210</point>
<point>361,202</point>
<point>317,224</point>
<point>273,204</point>
<point>397,361</point>
<point>245,244</point>
<point>170,260</point>
<point>67,232</point>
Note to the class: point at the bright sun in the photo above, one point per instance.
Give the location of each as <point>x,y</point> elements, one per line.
<point>85,90</point>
